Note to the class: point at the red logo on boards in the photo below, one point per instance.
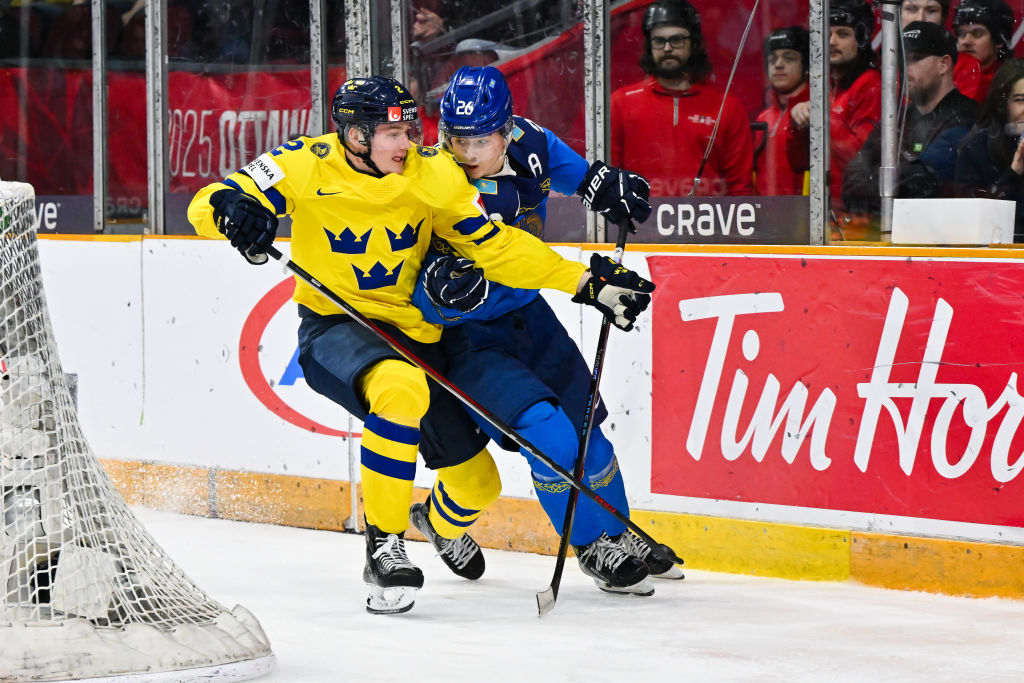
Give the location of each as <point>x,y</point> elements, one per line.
<point>249,360</point>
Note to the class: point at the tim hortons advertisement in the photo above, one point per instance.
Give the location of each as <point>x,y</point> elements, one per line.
<point>874,384</point>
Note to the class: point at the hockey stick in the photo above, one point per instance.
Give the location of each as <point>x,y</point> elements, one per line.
<point>546,598</point>
<point>721,108</point>
<point>658,549</point>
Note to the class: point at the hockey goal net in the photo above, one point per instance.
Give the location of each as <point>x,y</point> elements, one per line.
<point>85,592</point>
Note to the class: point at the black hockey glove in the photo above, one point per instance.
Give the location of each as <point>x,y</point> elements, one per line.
<point>615,193</point>
<point>619,293</point>
<point>250,226</point>
<point>455,282</point>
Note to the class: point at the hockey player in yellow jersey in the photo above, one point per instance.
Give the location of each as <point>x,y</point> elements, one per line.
<point>364,204</point>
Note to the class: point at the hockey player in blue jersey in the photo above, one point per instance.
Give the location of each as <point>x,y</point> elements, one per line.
<point>505,346</point>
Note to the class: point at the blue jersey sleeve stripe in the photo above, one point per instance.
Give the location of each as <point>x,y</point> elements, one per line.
<point>232,184</point>
<point>451,505</point>
<point>494,231</point>
<point>467,226</point>
<point>275,198</point>
<point>445,516</point>
<point>392,431</point>
<point>389,467</point>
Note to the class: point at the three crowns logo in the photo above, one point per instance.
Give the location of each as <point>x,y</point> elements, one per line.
<point>378,276</point>
<point>347,242</point>
<point>405,239</point>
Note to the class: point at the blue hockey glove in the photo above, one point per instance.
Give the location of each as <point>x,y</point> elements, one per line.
<point>248,225</point>
<point>615,193</point>
<point>454,282</point>
<point>619,293</point>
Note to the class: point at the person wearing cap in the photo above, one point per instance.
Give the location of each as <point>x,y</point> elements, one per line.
<point>991,159</point>
<point>967,75</point>
<point>936,122</point>
<point>661,126</point>
<point>786,54</point>
<point>855,91</point>
<point>983,30</point>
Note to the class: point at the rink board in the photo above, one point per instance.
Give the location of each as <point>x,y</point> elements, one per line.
<point>188,388</point>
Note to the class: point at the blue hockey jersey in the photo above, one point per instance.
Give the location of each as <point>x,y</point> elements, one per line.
<point>539,162</point>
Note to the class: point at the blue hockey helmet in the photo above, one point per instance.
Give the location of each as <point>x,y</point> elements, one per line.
<point>477,102</point>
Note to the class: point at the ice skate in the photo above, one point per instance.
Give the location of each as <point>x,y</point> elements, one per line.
<point>659,568</point>
<point>612,569</point>
<point>462,555</point>
<point>392,580</point>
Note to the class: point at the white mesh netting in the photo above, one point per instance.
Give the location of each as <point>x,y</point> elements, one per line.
<point>85,592</point>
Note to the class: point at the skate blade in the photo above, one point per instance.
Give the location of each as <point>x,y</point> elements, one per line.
<point>673,574</point>
<point>642,588</point>
<point>389,600</point>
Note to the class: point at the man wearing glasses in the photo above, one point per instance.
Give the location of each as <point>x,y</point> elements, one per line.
<point>662,125</point>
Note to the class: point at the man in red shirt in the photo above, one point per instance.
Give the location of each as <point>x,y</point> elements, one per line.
<point>662,125</point>
<point>856,90</point>
<point>786,53</point>
<point>983,30</point>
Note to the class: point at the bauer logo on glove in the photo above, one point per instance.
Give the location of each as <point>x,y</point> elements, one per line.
<point>615,193</point>
<point>618,292</point>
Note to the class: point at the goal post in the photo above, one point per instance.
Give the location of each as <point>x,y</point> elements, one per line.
<point>85,591</point>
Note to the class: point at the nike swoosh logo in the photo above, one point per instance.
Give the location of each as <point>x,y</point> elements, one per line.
<point>325,194</point>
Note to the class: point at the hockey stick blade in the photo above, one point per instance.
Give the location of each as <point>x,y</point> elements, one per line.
<point>546,600</point>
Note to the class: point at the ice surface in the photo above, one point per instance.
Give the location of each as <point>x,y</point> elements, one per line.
<point>305,587</point>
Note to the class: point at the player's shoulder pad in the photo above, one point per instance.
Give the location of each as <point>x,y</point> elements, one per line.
<point>320,149</point>
<point>425,151</point>
<point>525,130</point>
<point>272,167</point>
<point>438,170</point>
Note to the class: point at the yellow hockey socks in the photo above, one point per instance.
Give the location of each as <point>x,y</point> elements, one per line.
<point>461,493</point>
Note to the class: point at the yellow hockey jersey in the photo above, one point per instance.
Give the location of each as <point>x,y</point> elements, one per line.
<point>364,237</point>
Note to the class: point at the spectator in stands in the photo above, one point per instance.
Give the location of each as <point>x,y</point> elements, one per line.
<point>934,11</point>
<point>991,159</point>
<point>426,24</point>
<point>983,30</point>
<point>967,73</point>
<point>786,54</point>
<point>855,90</point>
<point>939,117</point>
<point>662,126</point>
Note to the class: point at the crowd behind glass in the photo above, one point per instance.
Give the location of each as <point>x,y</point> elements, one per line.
<point>961,91</point>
